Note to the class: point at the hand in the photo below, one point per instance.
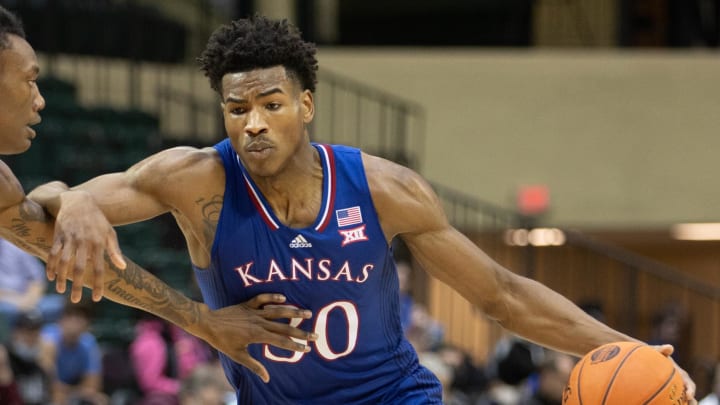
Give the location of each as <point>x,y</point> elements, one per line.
<point>83,238</point>
<point>667,350</point>
<point>232,329</point>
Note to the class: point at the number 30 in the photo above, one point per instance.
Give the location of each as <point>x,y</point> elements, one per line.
<point>322,345</point>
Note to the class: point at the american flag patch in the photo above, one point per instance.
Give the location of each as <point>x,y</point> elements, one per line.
<point>348,216</point>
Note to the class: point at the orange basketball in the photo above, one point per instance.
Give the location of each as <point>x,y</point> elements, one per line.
<point>624,373</point>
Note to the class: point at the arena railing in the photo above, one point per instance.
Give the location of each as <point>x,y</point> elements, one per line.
<point>630,288</point>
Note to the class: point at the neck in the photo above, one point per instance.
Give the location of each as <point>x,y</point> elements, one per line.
<point>295,194</point>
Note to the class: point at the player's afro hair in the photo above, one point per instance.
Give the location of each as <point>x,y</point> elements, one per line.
<point>257,43</point>
<point>9,24</point>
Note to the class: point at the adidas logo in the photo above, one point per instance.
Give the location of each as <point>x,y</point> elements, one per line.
<point>300,242</point>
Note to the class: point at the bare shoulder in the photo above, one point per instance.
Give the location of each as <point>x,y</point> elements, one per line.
<point>178,160</point>
<point>11,191</point>
<point>180,168</point>
<point>404,200</point>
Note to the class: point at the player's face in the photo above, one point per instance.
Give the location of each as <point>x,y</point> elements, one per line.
<point>20,99</point>
<point>265,115</point>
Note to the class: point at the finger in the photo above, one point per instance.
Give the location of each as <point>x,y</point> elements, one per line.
<point>667,350</point>
<point>114,252</point>
<point>689,388</point>
<point>65,262</point>
<point>253,365</point>
<point>286,331</point>
<point>98,272</point>
<point>284,312</point>
<point>264,299</point>
<point>51,267</point>
<point>81,262</point>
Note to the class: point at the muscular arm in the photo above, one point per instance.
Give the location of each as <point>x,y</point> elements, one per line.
<point>124,198</point>
<point>185,181</point>
<point>27,225</point>
<point>410,209</point>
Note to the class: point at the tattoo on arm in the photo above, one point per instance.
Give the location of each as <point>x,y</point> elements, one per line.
<point>30,228</point>
<point>21,227</point>
<point>210,215</point>
<point>164,301</point>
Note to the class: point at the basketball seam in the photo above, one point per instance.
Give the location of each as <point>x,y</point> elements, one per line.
<point>617,370</point>
<point>661,388</point>
<point>579,380</point>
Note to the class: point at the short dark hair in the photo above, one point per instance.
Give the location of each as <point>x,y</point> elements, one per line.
<point>29,320</point>
<point>257,43</point>
<point>9,24</point>
<point>83,309</point>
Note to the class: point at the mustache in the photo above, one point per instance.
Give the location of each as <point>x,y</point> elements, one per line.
<point>258,143</point>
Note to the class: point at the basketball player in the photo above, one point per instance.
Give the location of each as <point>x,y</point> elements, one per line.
<point>23,222</point>
<point>267,210</point>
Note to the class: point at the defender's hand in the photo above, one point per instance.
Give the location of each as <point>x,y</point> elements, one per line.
<point>83,239</point>
<point>231,329</point>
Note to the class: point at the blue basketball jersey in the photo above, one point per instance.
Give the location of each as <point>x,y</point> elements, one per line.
<point>341,268</point>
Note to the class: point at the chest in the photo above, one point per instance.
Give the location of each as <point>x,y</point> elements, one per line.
<point>305,264</point>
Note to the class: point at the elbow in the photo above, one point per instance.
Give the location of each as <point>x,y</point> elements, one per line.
<point>499,311</point>
<point>499,302</point>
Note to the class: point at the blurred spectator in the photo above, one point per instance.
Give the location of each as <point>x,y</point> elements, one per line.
<point>23,286</point>
<point>594,309</point>
<point>512,363</point>
<point>702,372</point>
<point>206,385</point>
<point>547,385</point>
<point>162,355</point>
<point>468,380</point>
<point>713,398</point>
<point>404,271</point>
<point>670,325</point>
<point>515,360</point>
<point>76,358</point>
<point>28,359</point>
<point>424,332</point>
<point>9,394</point>
<point>433,362</point>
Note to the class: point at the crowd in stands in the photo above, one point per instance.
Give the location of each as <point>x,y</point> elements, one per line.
<point>49,354</point>
<point>519,372</point>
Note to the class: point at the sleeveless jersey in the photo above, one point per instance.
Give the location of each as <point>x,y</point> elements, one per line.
<point>341,268</point>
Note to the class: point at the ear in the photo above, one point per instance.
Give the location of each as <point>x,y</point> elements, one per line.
<point>308,106</point>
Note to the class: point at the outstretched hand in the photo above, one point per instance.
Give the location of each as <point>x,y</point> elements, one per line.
<point>233,328</point>
<point>83,239</point>
<point>667,350</point>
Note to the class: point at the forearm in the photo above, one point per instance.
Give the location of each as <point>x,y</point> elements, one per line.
<point>538,314</point>
<point>136,287</point>
<point>30,228</point>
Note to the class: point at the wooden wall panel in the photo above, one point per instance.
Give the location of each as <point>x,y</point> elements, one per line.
<point>630,299</point>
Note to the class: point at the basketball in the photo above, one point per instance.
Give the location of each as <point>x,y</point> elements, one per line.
<point>624,373</point>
